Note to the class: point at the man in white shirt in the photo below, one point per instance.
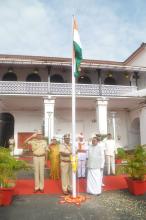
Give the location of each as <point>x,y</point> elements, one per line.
<point>82,156</point>
<point>110,151</point>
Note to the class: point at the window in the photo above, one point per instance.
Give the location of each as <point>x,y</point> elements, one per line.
<point>84,80</point>
<point>9,77</point>
<point>56,78</point>
<point>110,81</point>
<point>33,78</point>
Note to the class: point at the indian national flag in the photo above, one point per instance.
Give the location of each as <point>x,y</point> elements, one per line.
<point>77,49</point>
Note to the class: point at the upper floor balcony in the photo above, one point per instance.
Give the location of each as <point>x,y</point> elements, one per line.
<point>64,89</point>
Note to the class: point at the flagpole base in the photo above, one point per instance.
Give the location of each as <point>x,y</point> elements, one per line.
<point>69,199</point>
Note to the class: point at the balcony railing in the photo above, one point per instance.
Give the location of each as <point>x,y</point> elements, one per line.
<point>59,89</point>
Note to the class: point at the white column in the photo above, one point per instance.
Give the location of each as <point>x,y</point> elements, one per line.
<point>143,124</point>
<point>113,115</point>
<point>101,115</point>
<point>49,117</point>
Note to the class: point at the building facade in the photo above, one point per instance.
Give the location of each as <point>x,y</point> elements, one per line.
<point>35,92</point>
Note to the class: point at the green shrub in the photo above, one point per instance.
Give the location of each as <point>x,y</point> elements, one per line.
<point>120,153</point>
<point>9,167</point>
<point>135,167</point>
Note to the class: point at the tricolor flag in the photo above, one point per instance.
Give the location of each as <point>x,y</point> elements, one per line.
<point>77,49</point>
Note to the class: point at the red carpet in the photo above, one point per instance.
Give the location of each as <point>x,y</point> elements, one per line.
<point>114,183</point>
<point>26,186</point>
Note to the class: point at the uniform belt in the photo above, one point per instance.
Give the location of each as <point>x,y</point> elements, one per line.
<point>39,155</point>
<point>66,161</point>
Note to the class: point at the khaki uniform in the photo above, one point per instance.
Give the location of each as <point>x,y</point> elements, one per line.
<point>39,147</point>
<point>66,169</point>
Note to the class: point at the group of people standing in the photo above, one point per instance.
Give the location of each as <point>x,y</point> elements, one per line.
<point>91,160</point>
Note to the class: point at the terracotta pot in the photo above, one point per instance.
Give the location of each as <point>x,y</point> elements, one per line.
<point>136,187</point>
<point>6,196</point>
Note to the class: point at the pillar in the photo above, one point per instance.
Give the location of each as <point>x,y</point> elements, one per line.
<point>113,116</point>
<point>49,117</point>
<point>101,115</point>
<point>143,124</point>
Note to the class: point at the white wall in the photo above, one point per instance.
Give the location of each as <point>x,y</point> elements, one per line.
<point>128,128</point>
<point>139,60</point>
<point>85,122</point>
<point>143,124</point>
<point>121,127</point>
<point>26,122</point>
<point>142,80</point>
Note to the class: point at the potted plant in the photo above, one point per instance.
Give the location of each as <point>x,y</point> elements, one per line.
<point>120,155</point>
<point>9,166</point>
<point>135,168</point>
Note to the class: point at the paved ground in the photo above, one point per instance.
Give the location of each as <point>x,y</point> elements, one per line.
<point>113,205</point>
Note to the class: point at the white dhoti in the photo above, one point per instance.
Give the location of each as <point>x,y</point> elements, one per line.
<point>94,181</point>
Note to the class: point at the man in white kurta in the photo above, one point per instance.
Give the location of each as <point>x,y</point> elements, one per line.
<point>82,156</point>
<point>95,166</point>
<point>110,151</point>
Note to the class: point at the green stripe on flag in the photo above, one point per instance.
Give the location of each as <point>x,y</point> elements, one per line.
<point>78,58</point>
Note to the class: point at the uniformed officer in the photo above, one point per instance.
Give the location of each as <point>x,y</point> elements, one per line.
<point>39,147</point>
<point>65,164</point>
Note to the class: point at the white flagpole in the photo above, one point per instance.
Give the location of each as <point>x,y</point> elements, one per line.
<point>73,117</point>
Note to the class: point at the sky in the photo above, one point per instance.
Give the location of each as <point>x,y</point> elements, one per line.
<point>109,29</point>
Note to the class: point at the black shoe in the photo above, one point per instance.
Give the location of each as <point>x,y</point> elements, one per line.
<point>65,192</point>
<point>69,191</point>
<point>36,190</point>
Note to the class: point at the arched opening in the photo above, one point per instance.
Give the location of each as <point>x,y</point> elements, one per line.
<point>84,80</point>
<point>33,78</point>
<point>6,128</point>
<point>9,77</point>
<point>56,78</point>
<point>110,81</point>
<point>135,132</point>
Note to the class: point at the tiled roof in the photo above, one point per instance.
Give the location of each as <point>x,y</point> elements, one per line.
<point>51,59</point>
<point>135,53</point>
<point>87,63</point>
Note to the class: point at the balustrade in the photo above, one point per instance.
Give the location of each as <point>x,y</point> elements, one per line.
<point>45,88</point>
